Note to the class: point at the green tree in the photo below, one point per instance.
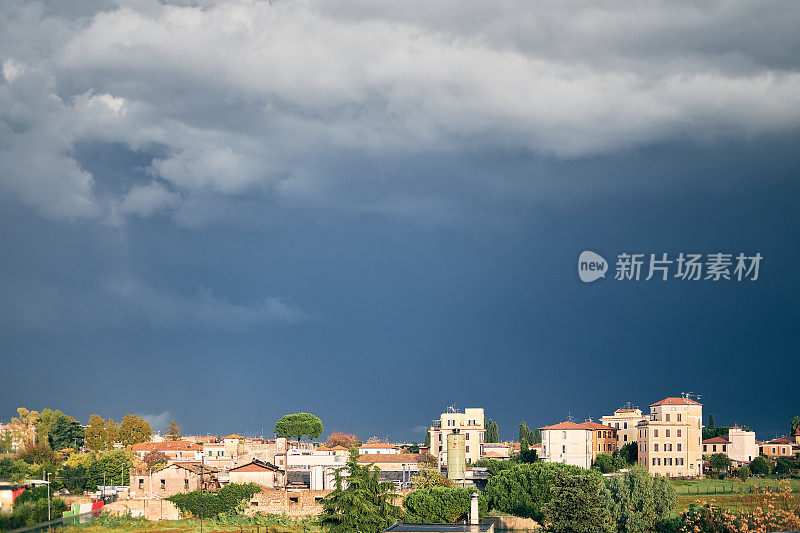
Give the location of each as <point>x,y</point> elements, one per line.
<point>75,478</point>
<point>744,473</point>
<point>363,506</point>
<point>6,442</point>
<point>760,466</point>
<point>783,466</point>
<point>133,430</point>
<point>640,501</point>
<point>604,463</point>
<point>580,503</point>
<point>537,436</point>
<point>795,426</point>
<point>439,505</point>
<point>41,453</point>
<point>66,433</point>
<point>525,435</point>
<point>111,434</point>
<point>228,499</point>
<point>155,459</point>
<point>174,431</point>
<point>299,425</point>
<point>428,477</point>
<point>630,453</point>
<point>428,439</point>
<point>492,433</point>
<point>528,455</point>
<point>524,489</point>
<point>719,462</point>
<point>711,421</point>
<point>95,435</point>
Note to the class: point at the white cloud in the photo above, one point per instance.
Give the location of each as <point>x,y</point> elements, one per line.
<point>269,97</point>
<point>147,199</point>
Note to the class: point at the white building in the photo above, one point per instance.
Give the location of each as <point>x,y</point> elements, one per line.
<point>378,447</point>
<point>743,446</point>
<point>567,443</point>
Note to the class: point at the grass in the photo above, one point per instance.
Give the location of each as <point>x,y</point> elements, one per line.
<point>240,524</point>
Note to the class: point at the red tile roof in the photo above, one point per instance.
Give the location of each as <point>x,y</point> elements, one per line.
<point>625,411</point>
<point>170,445</point>
<point>566,425</point>
<point>234,436</point>
<point>717,440</point>
<point>595,425</point>
<point>366,458</point>
<point>676,401</point>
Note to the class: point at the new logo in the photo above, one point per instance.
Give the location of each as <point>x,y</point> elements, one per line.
<point>591,266</point>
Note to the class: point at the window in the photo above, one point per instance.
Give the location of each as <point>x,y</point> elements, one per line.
<point>563,449</point>
<point>666,417</point>
<point>185,484</point>
<point>679,447</point>
<point>467,436</point>
<point>714,448</point>
<point>141,483</point>
<point>654,461</point>
<point>679,417</point>
<point>655,446</point>
<point>466,449</point>
<point>163,484</point>
<point>625,425</point>
<point>564,435</point>
<point>253,504</point>
<point>294,499</point>
<point>625,438</point>
<point>655,433</point>
<point>724,448</point>
<point>616,425</point>
<point>667,433</point>
<point>679,432</point>
<point>318,500</point>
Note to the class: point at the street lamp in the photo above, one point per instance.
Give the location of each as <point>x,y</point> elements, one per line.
<point>48,496</point>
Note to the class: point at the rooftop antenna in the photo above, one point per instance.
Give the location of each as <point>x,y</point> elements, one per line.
<point>451,408</point>
<point>569,416</point>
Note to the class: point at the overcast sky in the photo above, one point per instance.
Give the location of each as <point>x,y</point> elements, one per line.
<point>222,212</point>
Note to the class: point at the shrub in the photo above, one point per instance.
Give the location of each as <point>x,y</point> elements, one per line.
<point>760,466</point>
<point>580,503</point>
<point>524,489</point>
<point>212,504</point>
<point>640,501</point>
<point>439,505</point>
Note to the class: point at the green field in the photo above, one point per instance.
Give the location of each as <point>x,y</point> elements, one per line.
<point>721,492</point>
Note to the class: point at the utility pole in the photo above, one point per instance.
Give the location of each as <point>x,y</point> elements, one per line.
<point>104,486</point>
<point>202,504</point>
<point>48,496</point>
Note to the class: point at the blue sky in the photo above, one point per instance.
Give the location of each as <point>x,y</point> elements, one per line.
<point>221,212</point>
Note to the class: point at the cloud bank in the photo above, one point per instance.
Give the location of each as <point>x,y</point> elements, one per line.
<point>314,106</point>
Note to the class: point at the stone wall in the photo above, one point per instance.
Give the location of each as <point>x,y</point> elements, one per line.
<point>512,522</point>
<point>155,509</point>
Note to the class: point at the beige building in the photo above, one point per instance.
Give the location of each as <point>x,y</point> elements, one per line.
<point>470,423</point>
<point>670,440</point>
<point>175,450</point>
<point>172,479</point>
<point>624,421</point>
<point>782,447</point>
<point>576,444</point>
<point>743,446</point>
<point>264,474</point>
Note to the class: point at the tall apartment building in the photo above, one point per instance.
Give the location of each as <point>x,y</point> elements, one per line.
<point>577,444</point>
<point>470,423</point>
<point>625,422</point>
<point>670,440</point>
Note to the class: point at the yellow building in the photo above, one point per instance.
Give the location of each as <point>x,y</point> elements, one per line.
<point>670,440</point>
<point>625,422</point>
<point>470,423</point>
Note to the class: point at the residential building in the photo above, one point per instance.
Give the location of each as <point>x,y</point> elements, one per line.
<point>172,479</point>
<point>781,447</point>
<point>378,447</point>
<point>567,443</point>
<point>624,421</point>
<point>576,444</point>
<point>175,450</point>
<point>264,474</point>
<point>743,446</point>
<point>670,439</point>
<point>717,444</point>
<point>470,423</point>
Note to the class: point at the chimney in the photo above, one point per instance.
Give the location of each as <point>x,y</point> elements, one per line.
<point>473,510</point>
